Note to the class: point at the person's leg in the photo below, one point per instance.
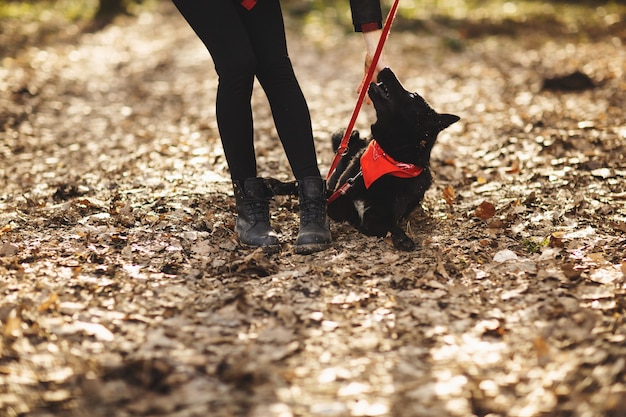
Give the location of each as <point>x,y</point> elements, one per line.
<point>218,24</point>
<point>265,26</point>
<point>292,119</point>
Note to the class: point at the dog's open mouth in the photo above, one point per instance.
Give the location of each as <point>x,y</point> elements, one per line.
<point>380,90</point>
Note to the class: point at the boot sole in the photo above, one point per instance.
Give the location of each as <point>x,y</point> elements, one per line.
<point>310,248</point>
<point>269,249</point>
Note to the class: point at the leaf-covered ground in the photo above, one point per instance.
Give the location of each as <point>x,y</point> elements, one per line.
<point>125,293</point>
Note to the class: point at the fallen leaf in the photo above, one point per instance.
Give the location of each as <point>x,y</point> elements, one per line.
<point>448,195</point>
<point>12,326</point>
<point>504,256</point>
<point>50,302</point>
<point>571,271</point>
<point>603,173</point>
<point>6,228</point>
<point>96,330</point>
<point>497,224</point>
<point>8,249</point>
<point>485,210</point>
<point>619,226</point>
<point>556,240</point>
<point>514,168</point>
<point>542,350</point>
<point>57,396</point>
<point>597,258</point>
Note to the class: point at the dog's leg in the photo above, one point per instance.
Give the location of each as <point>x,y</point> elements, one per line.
<point>378,223</point>
<point>400,239</point>
<point>373,221</point>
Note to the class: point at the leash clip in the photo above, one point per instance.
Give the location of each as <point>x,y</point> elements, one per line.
<point>352,180</point>
<point>344,188</point>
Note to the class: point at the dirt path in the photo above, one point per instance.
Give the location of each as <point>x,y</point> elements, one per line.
<point>125,293</point>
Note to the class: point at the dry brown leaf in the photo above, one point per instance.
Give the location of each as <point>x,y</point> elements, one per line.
<point>619,226</point>
<point>556,240</point>
<point>49,302</point>
<point>497,224</point>
<point>12,326</point>
<point>449,195</point>
<point>485,210</point>
<point>542,350</point>
<point>8,249</point>
<point>571,271</point>
<point>514,168</point>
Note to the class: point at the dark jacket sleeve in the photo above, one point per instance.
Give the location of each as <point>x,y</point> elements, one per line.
<point>366,15</point>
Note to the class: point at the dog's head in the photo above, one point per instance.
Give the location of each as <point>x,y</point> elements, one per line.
<point>406,126</point>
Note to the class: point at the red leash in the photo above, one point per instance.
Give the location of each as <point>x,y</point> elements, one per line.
<point>344,188</point>
<point>343,146</point>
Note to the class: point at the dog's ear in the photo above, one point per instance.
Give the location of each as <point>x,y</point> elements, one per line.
<point>445,120</point>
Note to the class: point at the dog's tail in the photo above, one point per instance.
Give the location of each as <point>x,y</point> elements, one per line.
<point>355,144</point>
<point>278,187</point>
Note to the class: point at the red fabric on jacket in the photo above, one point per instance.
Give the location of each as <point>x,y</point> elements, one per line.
<point>248,4</point>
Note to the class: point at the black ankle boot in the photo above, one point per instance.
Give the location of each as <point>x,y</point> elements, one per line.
<point>314,234</point>
<point>253,219</point>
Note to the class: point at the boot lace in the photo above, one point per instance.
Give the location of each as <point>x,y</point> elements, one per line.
<point>312,211</point>
<point>257,210</point>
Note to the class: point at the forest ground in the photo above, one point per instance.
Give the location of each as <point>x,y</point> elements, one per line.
<point>124,291</point>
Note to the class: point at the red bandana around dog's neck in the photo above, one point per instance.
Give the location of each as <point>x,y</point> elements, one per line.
<point>375,163</point>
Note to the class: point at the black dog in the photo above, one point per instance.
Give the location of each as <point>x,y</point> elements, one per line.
<point>389,171</point>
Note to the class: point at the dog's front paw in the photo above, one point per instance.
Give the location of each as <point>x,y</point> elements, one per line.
<point>403,243</point>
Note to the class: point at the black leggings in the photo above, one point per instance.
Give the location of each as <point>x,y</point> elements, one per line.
<point>245,44</point>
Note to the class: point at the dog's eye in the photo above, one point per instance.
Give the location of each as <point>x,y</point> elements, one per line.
<point>411,95</point>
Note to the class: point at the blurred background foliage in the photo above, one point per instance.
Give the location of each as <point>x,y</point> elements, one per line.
<point>459,9</point>
<point>33,22</point>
